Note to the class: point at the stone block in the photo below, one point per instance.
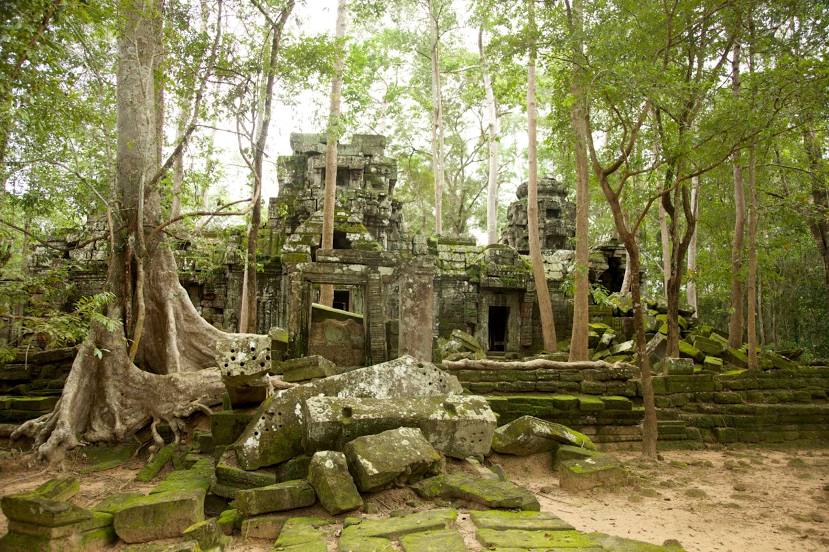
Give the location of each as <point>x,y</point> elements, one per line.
<point>229,520</point>
<point>289,495</point>
<point>458,426</point>
<point>737,357</point>
<point>529,521</point>
<point>676,366</point>
<point>727,397</point>
<point>276,432</point>
<point>328,475</point>
<point>537,540</point>
<point>395,527</point>
<point>263,527</point>
<point>208,535</point>
<point>161,458</point>
<point>302,534</point>
<point>687,350</point>
<point>600,470</point>
<point>397,456</point>
<point>709,346</point>
<point>614,402</point>
<point>590,404</point>
<point>307,368</point>
<point>38,510</point>
<point>158,516</point>
<point>295,468</point>
<point>529,435</point>
<point>713,363</point>
<point>486,492</point>
<point>570,452</point>
<point>243,356</point>
<point>96,521</point>
<point>444,540</point>
<point>227,426</point>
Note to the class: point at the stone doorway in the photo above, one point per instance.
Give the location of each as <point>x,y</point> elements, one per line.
<point>498,323</point>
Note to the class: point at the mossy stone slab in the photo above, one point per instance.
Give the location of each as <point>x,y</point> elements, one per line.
<point>530,435</point>
<point>31,508</point>
<point>355,543</point>
<point>207,534</point>
<point>517,538</point>
<point>156,463</point>
<point>275,498</point>
<point>618,544</point>
<point>397,526</point>
<point>445,540</point>
<point>97,521</point>
<point>569,452</point>
<point>489,493</point>
<point>499,520</point>
<point>158,516</point>
<point>599,470</point>
<point>263,527</point>
<point>302,535</point>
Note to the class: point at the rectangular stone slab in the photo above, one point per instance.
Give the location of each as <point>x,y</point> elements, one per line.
<point>158,516</point>
<point>458,426</point>
<point>275,498</point>
<point>276,430</point>
<point>446,540</point>
<point>536,521</point>
<point>487,492</point>
<point>397,526</point>
<point>516,538</point>
<point>30,508</point>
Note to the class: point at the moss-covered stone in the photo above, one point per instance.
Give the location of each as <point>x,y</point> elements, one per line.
<point>329,476</point>
<point>295,468</point>
<point>689,351</point>
<point>156,463</point>
<point>395,527</point>
<point>445,540</point>
<point>302,535</point>
<point>499,520</point>
<point>158,516</point>
<point>263,527</point>
<point>106,457</point>
<point>96,521</point>
<point>227,426</point>
<point>275,498</point>
<point>599,470</point>
<point>569,452</point>
<point>208,535</point>
<point>530,435</point>
<point>489,493</point>
<point>33,508</point>
<point>350,542</point>
<point>619,544</point>
<point>517,538</point>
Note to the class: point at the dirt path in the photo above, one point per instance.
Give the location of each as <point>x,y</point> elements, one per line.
<point>710,501</point>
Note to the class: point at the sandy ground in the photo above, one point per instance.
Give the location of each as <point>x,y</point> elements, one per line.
<point>729,500</point>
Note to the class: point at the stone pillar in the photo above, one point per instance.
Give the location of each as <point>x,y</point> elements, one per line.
<point>416,309</point>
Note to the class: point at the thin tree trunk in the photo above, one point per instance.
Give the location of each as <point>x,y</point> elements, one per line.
<point>626,280</point>
<point>247,315</point>
<point>581,313</point>
<point>545,306</point>
<point>493,131</point>
<point>735,323</point>
<point>327,290</point>
<point>691,289</point>
<point>753,221</point>
<point>665,237</point>
<point>437,117</point>
<point>819,221</point>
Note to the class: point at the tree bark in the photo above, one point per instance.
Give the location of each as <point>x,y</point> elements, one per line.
<point>665,239</point>
<point>691,286</point>
<point>492,131</point>
<point>819,221</point>
<point>581,312</point>
<point>328,204</point>
<point>545,306</point>
<point>437,117</point>
<point>106,396</point>
<point>247,315</point>
<point>753,221</point>
<point>735,322</point>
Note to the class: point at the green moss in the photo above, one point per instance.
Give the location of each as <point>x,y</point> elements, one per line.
<point>156,464</point>
<point>500,520</point>
<point>433,541</point>
<point>516,538</point>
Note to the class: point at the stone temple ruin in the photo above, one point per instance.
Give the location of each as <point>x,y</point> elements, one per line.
<point>326,407</point>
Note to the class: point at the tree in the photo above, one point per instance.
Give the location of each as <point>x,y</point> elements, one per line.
<point>545,306</point>
<point>275,26</point>
<point>581,313</point>
<point>107,395</point>
<point>691,286</point>
<point>436,9</point>
<point>735,321</point>
<point>492,132</point>
<point>327,290</point>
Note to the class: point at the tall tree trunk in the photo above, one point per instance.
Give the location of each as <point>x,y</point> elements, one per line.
<point>691,289</point>
<point>106,396</point>
<point>492,132</point>
<point>328,204</point>
<point>545,305</point>
<point>437,117</point>
<point>247,315</point>
<point>626,279</point>
<point>753,221</point>
<point>735,322</point>
<point>819,220</point>
<point>578,122</point>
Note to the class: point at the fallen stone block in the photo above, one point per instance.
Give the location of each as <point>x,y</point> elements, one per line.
<point>295,468</point>
<point>289,495</point>
<point>34,509</point>
<point>96,521</point>
<point>580,475</point>
<point>100,538</point>
<point>531,521</point>
<point>445,540</point>
<point>244,361</point>
<point>397,456</point>
<point>198,478</point>
<point>208,535</point>
<point>158,516</point>
<point>230,520</point>
<point>489,493</point>
<point>328,474</point>
<point>263,527</point>
<point>713,363</point>
<point>689,351</point>
<point>676,366</point>
<point>620,544</point>
<point>708,346</point>
<point>530,435</point>
<point>308,368</point>
<point>570,452</point>
<point>227,426</point>
<point>458,426</point>
<point>276,431</point>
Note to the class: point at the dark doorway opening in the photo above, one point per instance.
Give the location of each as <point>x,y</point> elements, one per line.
<point>341,240</point>
<point>498,317</point>
<point>342,299</point>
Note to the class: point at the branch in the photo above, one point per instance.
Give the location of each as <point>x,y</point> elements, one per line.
<point>218,212</point>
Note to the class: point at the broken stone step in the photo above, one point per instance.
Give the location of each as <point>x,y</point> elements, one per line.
<point>489,493</point>
<point>397,456</point>
<point>536,521</point>
<point>587,473</point>
<point>289,495</point>
<point>332,482</point>
<point>395,527</point>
